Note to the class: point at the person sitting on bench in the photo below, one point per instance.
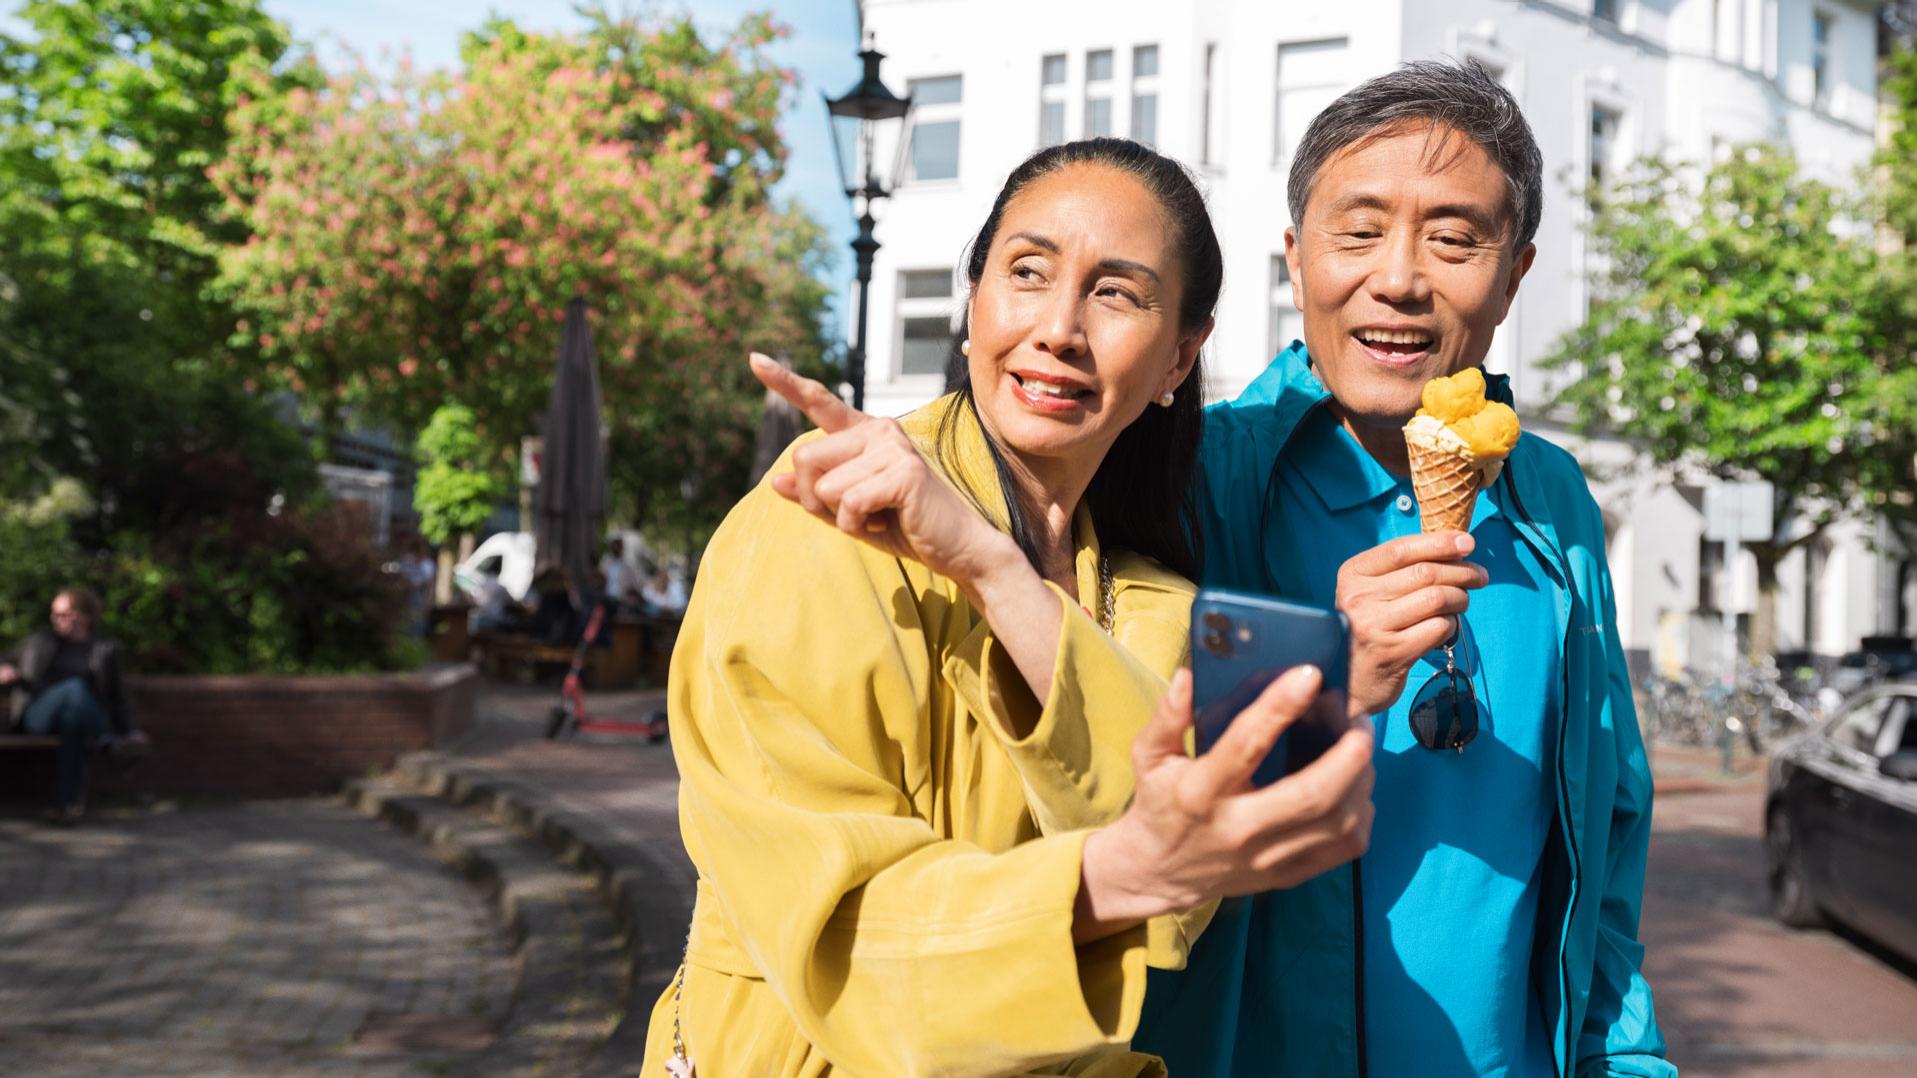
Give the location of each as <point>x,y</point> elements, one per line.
<point>66,683</point>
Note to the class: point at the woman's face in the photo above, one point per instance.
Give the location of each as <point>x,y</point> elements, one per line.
<point>1074,323</point>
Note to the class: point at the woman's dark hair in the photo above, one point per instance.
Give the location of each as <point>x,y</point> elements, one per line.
<point>1141,497</point>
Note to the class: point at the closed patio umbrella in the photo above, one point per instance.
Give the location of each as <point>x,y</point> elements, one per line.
<point>570,505</point>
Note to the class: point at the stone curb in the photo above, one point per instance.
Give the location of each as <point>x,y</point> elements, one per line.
<point>651,919</point>
<point>570,993</point>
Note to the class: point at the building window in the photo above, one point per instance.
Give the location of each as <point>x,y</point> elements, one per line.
<point>1816,563</point>
<point>1051,100</point>
<point>1098,93</point>
<point>1820,59</point>
<point>1605,10</point>
<point>935,127</point>
<point>1204,120</point>
<point>925,321</point>
<point>1310,76</point>
<point>1286,324</point>
<point>1145,94</point>
<point>1603,152</point>
<point>1713,584</point>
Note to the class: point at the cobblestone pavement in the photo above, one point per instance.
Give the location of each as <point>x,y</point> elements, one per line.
<point>629,785</point>
<point>266,938</point>
<point>1739,994</point>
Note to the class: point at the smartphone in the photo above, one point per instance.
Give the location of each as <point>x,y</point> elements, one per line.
<point>1240,643</point>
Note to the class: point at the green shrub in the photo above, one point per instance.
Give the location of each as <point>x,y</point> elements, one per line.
<point>229,585</point>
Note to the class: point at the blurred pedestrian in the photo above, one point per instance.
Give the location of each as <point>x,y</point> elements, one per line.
<point>66,683</point>
<point>618,587</point>
<point>419,571</point>
<point>664,595</point>
<point>556,607</point>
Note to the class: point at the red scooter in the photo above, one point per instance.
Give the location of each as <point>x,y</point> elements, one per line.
<point>569,716</point>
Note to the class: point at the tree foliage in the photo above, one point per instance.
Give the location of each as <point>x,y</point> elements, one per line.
<point>1741,327</point>
<point>414,238</point>
<point>110,114</point>
<point>459,483</point>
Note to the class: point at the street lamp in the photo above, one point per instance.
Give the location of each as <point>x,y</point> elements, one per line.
<point>858,119</point>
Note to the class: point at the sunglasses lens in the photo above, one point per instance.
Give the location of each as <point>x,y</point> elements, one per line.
<point>1444,714</point>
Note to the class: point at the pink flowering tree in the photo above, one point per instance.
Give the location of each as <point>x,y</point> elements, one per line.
<point>413,238</point>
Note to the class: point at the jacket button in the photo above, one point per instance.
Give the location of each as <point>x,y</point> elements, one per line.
<point>1405,504</point>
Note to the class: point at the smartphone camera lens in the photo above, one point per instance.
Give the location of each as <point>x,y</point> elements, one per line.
<point>1216,638</point>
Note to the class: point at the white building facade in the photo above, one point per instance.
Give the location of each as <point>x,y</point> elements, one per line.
<point>1228,86</point>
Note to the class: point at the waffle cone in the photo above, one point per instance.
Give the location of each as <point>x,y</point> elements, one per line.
<point>1446,483</point>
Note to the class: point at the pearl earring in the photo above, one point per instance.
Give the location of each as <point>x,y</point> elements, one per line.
<point>1165,399</point>
<point>965,347</point>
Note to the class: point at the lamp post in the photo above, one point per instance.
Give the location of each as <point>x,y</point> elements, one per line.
<point>859,117</point>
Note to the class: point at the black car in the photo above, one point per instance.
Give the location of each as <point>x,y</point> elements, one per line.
<point>1841,820</point>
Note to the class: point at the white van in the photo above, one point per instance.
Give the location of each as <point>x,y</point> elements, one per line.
<point>508,558</point>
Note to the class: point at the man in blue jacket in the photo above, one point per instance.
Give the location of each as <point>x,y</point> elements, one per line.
<point>1491,927</point>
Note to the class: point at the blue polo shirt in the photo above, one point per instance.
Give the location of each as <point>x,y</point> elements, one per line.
<point>1451,879</point>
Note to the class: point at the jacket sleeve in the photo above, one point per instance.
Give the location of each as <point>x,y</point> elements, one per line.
<point>801,682</point>
<point>1620,1035</point>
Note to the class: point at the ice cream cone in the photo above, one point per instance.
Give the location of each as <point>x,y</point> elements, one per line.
<point>1446,483</point>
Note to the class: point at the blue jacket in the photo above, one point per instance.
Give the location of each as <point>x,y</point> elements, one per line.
<point>1238,1019</point>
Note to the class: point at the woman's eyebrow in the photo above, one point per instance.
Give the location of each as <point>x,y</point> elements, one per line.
<point>1112,265</point>
<point>1036,240</point>
<point>1126,265</point>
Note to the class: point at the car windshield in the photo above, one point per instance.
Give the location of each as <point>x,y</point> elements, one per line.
<point>1856,727</point>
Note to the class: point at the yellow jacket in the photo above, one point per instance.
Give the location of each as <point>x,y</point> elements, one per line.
<point>886,872</point>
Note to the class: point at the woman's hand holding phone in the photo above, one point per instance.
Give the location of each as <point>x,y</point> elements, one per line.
<point>1198,828</point>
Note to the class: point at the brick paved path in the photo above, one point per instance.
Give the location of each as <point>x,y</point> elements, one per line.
<point>626,783</point>
<point>1739,994</point>
<point>251,939</point>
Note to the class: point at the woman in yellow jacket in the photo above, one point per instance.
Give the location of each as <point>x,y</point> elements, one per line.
<point>906,743</point>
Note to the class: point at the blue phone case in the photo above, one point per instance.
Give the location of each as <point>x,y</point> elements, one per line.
<point>1240,643</point>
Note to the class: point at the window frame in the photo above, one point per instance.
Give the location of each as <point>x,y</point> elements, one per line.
<point>1143,87</point>
<point>926,115</point>
<point>1821,66</point>
<point>1102,91</point>
<point>914,308</point>
<point>1055,94</point>
<point>1279,158</point>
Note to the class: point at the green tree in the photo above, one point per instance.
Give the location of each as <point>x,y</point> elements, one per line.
<point>1896,185</point>
<point>460,483</point>
<point>1740,326</point>
<point>110,114</point>
<point>416,236</point>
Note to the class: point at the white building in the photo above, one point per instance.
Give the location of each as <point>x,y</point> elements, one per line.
<point>1228,86</point>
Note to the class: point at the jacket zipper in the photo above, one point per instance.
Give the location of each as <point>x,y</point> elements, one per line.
<point>1358,964</point>
<point>1566,826</point>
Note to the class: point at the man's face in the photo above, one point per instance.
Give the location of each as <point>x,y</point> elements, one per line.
<point>1403,267</point>
<point>66,618</point>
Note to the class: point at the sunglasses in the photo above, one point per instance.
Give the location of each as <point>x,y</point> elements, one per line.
<point>1444,714</point>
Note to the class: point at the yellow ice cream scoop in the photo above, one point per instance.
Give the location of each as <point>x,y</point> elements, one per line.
<point>1488,428</point>
<point>1451,399</point>
<point>1491,434</point>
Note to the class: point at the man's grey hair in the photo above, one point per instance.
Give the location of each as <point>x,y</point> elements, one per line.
<point>1432,93</point>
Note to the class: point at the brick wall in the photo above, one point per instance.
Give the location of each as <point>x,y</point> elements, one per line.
<point>278,736</point>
